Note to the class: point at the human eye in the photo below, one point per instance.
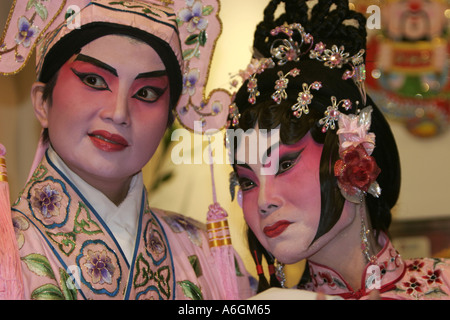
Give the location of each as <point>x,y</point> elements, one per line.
<point>92,80</point>
<point>288,161</point>
<point>246,183</point>
<point>148,94</point>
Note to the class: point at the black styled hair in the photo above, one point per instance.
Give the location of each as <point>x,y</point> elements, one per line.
<point>327,22</point>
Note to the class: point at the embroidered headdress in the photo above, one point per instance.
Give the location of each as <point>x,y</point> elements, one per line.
<point>58,29</point>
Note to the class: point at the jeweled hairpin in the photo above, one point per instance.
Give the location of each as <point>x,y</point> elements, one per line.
<point>281,85</point>
<point>332,113</point>
<point>287,49</point>
<point>304,98</point>
<point>252,85</point>
<point>233,115</point>
<point>336,58</point>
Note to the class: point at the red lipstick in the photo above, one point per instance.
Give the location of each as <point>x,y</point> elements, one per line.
<point>276,229</point>
<point>107,141</point>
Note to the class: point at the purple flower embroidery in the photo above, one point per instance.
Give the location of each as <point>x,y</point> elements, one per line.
<point>20,224</point>
<point>193,16</point>
<point>189,81</point>
<point>26,32</point>
<point>216,107</point>
<point>47,201</point>
<point>99,267</point>
<point>155,244</point>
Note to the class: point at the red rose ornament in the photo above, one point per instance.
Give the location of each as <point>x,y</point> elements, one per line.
<point>356,171</point>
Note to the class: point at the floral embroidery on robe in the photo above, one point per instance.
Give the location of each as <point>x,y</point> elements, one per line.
<point>68,252</point>
<point>395,278</point>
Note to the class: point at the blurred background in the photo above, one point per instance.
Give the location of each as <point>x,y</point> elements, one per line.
<point>407,75</point>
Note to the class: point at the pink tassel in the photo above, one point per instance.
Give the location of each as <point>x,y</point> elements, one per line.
<point>220,242</point>
<point>11,285</point>
<point>222,250</point>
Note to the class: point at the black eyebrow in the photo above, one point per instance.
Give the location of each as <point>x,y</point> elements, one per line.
<point>151,74</point>
<point>269,151</point>
<point>244,165</point>
<point>291,155</point>
<point>96,62</point>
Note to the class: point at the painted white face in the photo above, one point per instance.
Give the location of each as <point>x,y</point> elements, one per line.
<point>110,108</point>
<point>283,208</point>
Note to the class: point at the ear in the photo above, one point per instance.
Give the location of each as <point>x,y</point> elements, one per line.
<point>40,106</point>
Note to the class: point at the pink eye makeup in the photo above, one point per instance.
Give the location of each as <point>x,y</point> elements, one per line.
<point>248,179</point>
<point>288,161</point>
<point>92,80</point>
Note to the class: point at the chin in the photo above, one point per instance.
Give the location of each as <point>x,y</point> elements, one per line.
<point>292,252</point>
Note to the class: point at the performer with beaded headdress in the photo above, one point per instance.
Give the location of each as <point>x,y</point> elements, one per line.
<point>109,75</point>
<point>329,200</point>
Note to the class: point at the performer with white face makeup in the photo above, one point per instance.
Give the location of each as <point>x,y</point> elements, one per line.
<point>104,97</point>
<point>330,199</point>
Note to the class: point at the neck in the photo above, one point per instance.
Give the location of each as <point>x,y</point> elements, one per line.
<point>344,253</point>
<point>116,191</point>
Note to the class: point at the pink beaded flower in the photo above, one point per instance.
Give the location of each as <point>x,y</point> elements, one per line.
<point>304,99</point>
<point>282,83</point>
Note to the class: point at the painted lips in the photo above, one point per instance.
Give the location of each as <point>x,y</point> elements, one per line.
<point>276,229</point>
<point>107,141</point>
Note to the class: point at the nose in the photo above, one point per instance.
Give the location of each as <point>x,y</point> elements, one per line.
<point>119,110</point>
<point>269,200</point>
<point>121,114</point>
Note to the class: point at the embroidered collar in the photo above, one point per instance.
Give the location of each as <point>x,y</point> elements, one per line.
<point>381,276</point>
<point>122,220</point>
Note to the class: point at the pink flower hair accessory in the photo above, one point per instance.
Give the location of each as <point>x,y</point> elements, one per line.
<point>354,130</point>
<point>356,170</point>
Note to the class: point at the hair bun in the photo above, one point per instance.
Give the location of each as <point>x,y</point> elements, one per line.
<point>329,21</point>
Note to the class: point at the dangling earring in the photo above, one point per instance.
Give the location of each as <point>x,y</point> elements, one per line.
<point>279,273</point>
<point>365,246</point>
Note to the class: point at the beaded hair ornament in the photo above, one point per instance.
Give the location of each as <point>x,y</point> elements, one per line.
<point>356,170</point>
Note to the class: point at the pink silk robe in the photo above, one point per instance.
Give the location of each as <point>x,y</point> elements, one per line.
<point>68,252</point>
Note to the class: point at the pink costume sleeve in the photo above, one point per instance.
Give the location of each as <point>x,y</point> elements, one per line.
<point>185,246</point>
<point>11,287</point>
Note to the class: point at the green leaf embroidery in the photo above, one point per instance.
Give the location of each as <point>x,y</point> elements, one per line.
<point>30,4</point>
<point>188,54</point>
<point>66,241</point>
<point>436,293</point>
<point>39,264</point>
<point>143,272</point>
<point>202,37</point>
<point>190,290</point>
<point>195,263</point>
<point>47,292</point>
<point>83,222</point>
<point>68,286</point>
<point>207,10</point>
<point>41,10</point>
<point>436,261</point>
<point>192,39</point>
<point>162,276</point>
<point>236,267</point>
